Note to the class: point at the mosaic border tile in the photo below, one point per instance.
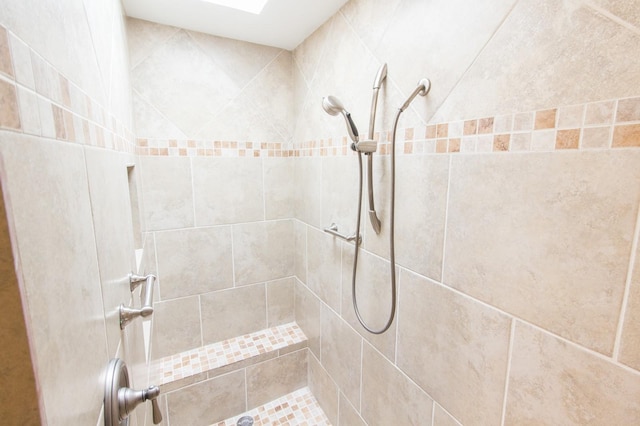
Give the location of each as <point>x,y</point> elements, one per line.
<point>66,113</point>
<point>299,408</point>
<point>206,358</point>
<point>606,124</point>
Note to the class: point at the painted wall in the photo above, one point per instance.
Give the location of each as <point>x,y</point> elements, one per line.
<point>66,139</point>
<point>517,199</point>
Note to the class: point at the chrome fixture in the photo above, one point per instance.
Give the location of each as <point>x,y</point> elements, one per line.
<point>368,147</point>
<point>333,230</point>
<point>381,76</point>
<point>333,106</point>
<point>120,400</point>
<point>129,314</point>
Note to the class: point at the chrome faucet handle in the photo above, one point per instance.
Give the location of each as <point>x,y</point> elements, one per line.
<point>129,399</point>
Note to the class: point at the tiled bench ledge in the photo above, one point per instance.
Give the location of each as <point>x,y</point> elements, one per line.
<point>298,408</point>
<point>185,368</point>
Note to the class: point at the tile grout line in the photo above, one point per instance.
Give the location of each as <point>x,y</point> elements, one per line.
<point>446,219</point>
<point>512,336</point>
<point>627,288</point>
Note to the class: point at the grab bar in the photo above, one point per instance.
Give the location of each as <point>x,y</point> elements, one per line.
<point>129,314</point>
<point>333,230</point>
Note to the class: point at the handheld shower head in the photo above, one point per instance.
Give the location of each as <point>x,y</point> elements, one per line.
<point>333,106</point>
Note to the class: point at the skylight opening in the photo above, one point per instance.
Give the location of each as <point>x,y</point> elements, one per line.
<point>251,6</point>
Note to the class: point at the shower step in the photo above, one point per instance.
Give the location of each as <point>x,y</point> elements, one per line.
<point>185,368</point>
<point>299,408</point>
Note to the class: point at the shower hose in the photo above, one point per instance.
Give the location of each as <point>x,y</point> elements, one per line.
<point>392,251</point>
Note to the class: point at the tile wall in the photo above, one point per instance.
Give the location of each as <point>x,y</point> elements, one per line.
<point>518,283</point>
<point>66,139</point>
<point>516,242</point>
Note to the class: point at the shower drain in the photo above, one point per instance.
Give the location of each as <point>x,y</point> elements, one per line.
<point>245,421</point>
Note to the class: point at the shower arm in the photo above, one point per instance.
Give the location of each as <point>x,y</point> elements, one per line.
<point>373,217</point>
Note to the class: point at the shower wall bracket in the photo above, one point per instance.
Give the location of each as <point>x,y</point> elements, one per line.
<point>333,230</point>
<point>129,314</point>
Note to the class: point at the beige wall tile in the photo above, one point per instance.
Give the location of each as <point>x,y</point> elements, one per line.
<point>626,136</point>
<point>628,110</point>
<point>630,343</point>
<point>170,336</point>
<point>277,377</point>
<point>207,402</point>
<point>533,36</point>
<point>308,178</point>
<point>280,301</point>
<point>144,36</point>
<point>341,354</point>
<point>553,382</point>
<point>596,137</point>
<point>406,404</point>
<point>263,251</point>
<point>194,261</point>
<point>29,116</point>
<point>48,199</point>
<point>454,348</point>
<point>323,388</point>
<point>568,139</point>
<point>300,250</point>
<point>323,266</point>
<point>538,259</point>
<point>188,77</point>
<point>373,290</point>
<point>279,188</point>
<point>6,65</point>
<point>166,193</point>
<point>9,108</point>
<point>21,56</point>
<point>233,312</point>
<point>600,113</point>
<point>307,312</point>
<point>227,190</point>
<point>572,116</point>
<point>340,192</point>
<point>240,60</point>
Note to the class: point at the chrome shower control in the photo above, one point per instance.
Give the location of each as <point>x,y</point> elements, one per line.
<point>120,400</point>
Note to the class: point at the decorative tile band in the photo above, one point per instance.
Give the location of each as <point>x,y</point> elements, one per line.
<point>596,125</point>
<point>220,354</point>
<point>37,99</point>
<point>299,408</point>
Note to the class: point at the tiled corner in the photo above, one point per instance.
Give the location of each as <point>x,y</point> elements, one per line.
<point>407,404</point>
<point>341,354</point>
<point>276,377</point>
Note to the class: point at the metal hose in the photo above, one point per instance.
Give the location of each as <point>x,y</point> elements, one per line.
<point>392,251</point>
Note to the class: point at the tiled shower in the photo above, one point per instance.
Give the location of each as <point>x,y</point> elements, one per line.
<point>517,209</point>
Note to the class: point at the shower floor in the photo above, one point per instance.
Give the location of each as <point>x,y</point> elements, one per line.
<point>299,408</point>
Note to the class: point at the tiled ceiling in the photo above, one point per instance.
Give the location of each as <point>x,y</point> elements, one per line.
<point>282,23</point>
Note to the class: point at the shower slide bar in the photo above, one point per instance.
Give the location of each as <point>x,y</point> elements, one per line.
<point>333,230</point>
<point>129,314</point>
